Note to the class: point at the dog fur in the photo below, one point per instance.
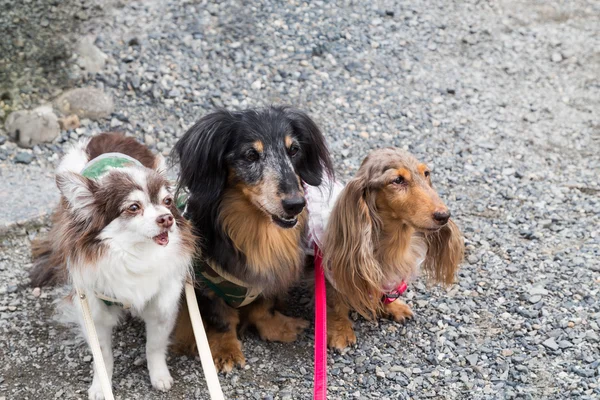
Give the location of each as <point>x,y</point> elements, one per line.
<point>122,236</point>
<point>245,173</point>
<point>386,223</point>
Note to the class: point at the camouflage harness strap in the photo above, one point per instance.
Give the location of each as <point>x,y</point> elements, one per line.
<point>235,292</point>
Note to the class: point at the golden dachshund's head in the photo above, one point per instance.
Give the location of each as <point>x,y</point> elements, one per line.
<point>392,195</point>
<point>402,189</point>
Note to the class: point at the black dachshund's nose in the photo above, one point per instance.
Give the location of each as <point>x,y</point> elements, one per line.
<point>441,218</point>
<point>293,205</point>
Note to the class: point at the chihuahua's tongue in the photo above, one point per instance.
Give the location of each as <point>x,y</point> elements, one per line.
<point>162,239</point>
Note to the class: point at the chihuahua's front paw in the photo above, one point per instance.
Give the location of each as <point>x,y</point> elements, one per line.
<point>161,380</point>
<point>95,391</point>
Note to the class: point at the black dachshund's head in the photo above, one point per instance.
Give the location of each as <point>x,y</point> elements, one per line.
<point>265,153</point>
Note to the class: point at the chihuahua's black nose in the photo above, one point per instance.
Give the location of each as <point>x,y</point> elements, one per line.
<point>293,205</point>
<point>441,218</point>
<point>165,220</point>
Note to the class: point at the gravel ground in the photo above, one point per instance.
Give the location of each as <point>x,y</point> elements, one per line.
<point>501,98</point>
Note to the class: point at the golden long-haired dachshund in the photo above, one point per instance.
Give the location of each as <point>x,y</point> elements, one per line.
<point>387,222</point>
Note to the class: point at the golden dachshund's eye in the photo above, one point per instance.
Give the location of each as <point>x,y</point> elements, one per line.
<point>399,180</point>
<point>426,173</point>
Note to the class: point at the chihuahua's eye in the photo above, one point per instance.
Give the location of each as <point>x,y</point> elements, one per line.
<point>168,201</point>
<point>426,173</point>
<point>293,150</point>
<point>252,155</point>
<point>133,208</point>
<point>399,180</point>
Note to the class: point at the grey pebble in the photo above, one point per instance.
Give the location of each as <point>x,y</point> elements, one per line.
<point>24,158</point>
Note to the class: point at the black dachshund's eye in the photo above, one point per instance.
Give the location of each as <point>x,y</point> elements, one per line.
<point>293,150</point>
<point>399,180</point>
<point>252,155</point>
<point>426,173</point>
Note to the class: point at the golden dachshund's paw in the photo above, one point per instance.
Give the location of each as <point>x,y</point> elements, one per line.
<point>340,335</point>
<point>398,311</point>
<point>281,328</point>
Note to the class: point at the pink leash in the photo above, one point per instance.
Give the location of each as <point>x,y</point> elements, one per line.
<point>320,377</point>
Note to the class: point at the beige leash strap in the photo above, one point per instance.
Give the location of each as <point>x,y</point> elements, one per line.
<point>95,346</point>
<point>208,365</point>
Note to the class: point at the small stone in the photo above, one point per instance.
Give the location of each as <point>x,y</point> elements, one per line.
<point>87,359</point>
<point>472,359</point>
<point>24,158</point>
<point>2,139</point>
<point>437,100</point>
<point>138,361</point>
<point>535,299</point>
<point>69,123</point>
<point>508,171</point>
<point>30,128</point>
<point>256,85</point>
<point>551,344</point>
<point>538,291</point>
<point>149,140</point>
<point>435,123</point>
<point>556,57</point>
<point>115,123</point>
<point>565,344</point>
<point>91,58</point>
<point>473,259</point>
<point>507,352</point>
<point>86,103</point>
<point>591,335</point>
<point>174,93</point>
<point>364,134</point>
<point>36,292</point>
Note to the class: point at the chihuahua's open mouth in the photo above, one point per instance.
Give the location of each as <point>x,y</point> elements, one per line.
<point>162,239</point>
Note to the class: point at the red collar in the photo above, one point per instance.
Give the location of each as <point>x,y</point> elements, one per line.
<point>393,294</point>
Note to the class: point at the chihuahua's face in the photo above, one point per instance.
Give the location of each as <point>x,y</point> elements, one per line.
<point>130,206</point>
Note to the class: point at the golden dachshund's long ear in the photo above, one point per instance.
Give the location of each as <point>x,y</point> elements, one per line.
<point>445,251</point>
<point>349,246</point>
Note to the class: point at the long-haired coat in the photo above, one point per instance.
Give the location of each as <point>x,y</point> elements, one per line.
<point>387,222</point>
<point>119,238</point>
<point>245,172</point>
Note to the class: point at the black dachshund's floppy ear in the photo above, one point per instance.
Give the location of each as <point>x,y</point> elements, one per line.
<point>315,156</point>
<point>201,156</point>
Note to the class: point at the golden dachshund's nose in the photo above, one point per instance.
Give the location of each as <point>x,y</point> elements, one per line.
<point>441,218</point>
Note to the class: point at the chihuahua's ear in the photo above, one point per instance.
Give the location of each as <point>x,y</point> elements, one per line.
<point>201,155</point>
<point>78,191</point>
<point>315,161</point>
<point>160,165</point>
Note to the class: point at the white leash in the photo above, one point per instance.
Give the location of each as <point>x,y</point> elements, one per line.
<point>210,372</point>
<point>95,346</point>
<point>208,365</point>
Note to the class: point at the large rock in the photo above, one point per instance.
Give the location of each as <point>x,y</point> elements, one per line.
<point>88,103</point>
<point>29,128</point>
<point>91,59</point>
